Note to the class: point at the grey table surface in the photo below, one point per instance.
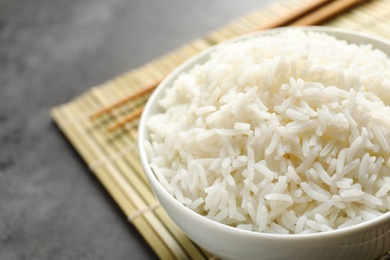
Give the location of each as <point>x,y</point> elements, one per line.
<point>51,51</point>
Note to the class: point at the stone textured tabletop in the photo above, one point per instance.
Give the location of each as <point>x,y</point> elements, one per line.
<point>51,205</point>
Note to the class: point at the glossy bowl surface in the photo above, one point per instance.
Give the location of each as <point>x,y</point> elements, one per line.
<point>368,240</point>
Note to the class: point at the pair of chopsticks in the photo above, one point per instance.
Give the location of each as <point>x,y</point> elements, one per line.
<point>314,13</point>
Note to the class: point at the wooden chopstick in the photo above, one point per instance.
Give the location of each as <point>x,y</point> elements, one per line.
<point>316,12</point>
<point>124,100</point>
<point>294,15</point>
<point>327,12</point>
<point>133,115</point>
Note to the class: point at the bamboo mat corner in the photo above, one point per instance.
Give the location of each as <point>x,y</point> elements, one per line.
<point>113,157</point>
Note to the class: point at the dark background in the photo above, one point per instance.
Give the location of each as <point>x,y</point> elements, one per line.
<point>51,205</point>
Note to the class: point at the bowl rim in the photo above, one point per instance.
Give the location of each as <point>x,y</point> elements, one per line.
<point>155,184</point>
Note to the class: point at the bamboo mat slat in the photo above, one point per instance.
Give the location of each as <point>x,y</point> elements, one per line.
<point>113,157</point>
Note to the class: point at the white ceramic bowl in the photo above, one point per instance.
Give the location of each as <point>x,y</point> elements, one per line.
<point>368,240</point>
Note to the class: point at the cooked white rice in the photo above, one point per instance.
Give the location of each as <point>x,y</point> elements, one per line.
<point>287,133</point>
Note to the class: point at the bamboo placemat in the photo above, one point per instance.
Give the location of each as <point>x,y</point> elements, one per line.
<point>113,157</point>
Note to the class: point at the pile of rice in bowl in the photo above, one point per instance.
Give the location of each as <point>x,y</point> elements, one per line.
<point>286,133</point>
